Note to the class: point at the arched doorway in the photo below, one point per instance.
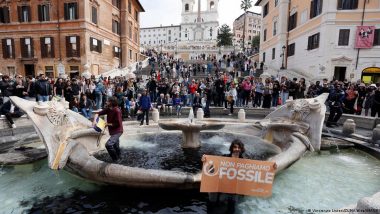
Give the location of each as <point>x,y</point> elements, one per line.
<point>371,74</point>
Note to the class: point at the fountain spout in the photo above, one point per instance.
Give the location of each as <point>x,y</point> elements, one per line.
<point>191,116</point>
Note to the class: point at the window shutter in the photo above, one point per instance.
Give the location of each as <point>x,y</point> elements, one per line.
<point>78,46</point>
<point>29,14</point>
<point>2,18</point>
<point>66,12</point>
<point>43,47</point>
<point>311,9</point>
<point>309,43</point>
<point>48,12</point>
<point>19,11</point>
<point>22,46</point>
<point>13,49</point>
<point>339,7</point>
<point>99,46</point>
<point>76,10</point>
<point>68,47</point>
<point>52,47</point>
<point>6,14</point>
<point>5,51</point>
<point>91,45</point>
<point>355,4</point>
<point>32,47</point>
<point>40,13</point>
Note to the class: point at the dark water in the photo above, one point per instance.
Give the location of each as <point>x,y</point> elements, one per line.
<point>111,199</point>
<point>164,151</point>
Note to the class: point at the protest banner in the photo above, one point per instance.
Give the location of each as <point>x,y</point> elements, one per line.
<point>237,176</point>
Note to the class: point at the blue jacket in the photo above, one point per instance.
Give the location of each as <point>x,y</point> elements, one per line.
<point>145,102</point>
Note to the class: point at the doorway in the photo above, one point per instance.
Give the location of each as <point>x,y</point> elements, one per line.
<point>29,70</point>
<point>340,73</point>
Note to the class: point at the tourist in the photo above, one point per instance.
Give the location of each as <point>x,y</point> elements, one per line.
<point>85,106</point>
<point>115,127</point>
<point>231,98</point>
<point>267,93</point>
<point>43,89</point>
<point>74,105</point>
<point>284,89</point>
<point>145,106</point>
<point>197,102</point>
<point>375,108</point>
<point>177,104</point>
<point>335,103</point>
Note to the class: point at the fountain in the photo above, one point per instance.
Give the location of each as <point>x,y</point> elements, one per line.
<point>190,129</point>
<point>70,141</point>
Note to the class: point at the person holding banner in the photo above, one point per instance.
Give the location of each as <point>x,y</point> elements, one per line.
<point>225,202</point>
<point>115,127</point>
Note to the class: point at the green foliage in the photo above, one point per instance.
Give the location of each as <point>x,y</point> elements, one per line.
<point>256,42</point>
<point>246,5</point>
<point>225,36</point>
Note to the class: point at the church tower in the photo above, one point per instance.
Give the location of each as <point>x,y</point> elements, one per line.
<point>212,5</point>
<point>187,6</point>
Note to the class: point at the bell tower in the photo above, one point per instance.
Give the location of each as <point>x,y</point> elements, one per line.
<point>212,5</point>
<point>187,6</point>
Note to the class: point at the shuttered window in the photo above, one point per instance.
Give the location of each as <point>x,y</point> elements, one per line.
<point>116,51</point>
<point>43,13</point>
<point>116,27</point>
<point>71,11</point>
<point>26,45</point>
<point>95,45</point>
<point>313,42</point>
<point>292,22</point>
<point>24,14</point>
<point>116,3</point>
<point>315,8</point>
<point>8,48</point>
<point>291,49</point>
<point>72,46</point>
<point>4,15</point>
<point>347,4</point>
<point>94,15</point>
<point>47,47</point>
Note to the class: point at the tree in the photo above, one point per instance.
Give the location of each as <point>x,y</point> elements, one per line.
<point>225,36</point>
<point>245,5</point>
<point>256,43</point>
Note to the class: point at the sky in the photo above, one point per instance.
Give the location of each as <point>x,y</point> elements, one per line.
<point>167,12</point>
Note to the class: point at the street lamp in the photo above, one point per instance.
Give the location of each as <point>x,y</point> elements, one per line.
<point>283,57</point>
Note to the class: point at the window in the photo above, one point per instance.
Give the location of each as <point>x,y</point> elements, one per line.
<point>136,36</point>
<point>313,42</point>
<point>347,4</point>
<point>116,27</point>
<point>49,71</point>
<point>130,6</point>
<point>274,28</point>
<point>315,8</point>
<point>292,22</point>
<point>291,49</point>
<point>47,47</point>
<point>4,15</point>
<point>265,35</point>
<point>24,14</point>
<point>11,71</point>
<point>273,53</point>
<point>264,57</point>
<point>275,3</point>
<point>95,45</point>
<point>170,32</point>
<point>344,37</point>
<point>130,29</point>
<point>130,54</point>
<point>26,47</point>
<point>266,10</point>
<point>376,42</point>
<point>116,3</point>
<point>186,7</point>
<point>136,15</point>
<point>116,51</point>
<point>43,13</point>
<point>8,48</point>
<point>94,15</point>
<point>71,11</point>
<point>72,46</point>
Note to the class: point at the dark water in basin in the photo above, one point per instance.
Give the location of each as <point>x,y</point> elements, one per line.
<point>164,151</point>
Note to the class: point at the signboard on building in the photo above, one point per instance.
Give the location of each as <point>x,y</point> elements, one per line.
<point>365,36</point>
<point>61,69</point>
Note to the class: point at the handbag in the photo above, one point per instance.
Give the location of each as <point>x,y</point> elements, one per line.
<point>230,98</point>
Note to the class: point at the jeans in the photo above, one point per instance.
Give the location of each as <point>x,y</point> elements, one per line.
<point>98,100</point>
<point>113,147</point>
<point>153,96</point>
<point>284,97</point>
<point>146,113</point>
<point>43,98</point>
<point>87,113</point>
<point>275,100</point>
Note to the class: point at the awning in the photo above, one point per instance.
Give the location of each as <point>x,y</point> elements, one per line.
<point>372,70</point>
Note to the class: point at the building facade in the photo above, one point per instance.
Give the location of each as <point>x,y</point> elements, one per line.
<point>252,23</point>
<point>197,27</point>
<point>156,36</point>
<point>61,37</point>
<point>316,39</point>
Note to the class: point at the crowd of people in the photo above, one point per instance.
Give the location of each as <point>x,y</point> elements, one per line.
<point>229,82</point>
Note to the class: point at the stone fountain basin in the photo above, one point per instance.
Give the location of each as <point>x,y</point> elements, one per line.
<point>142,172</point>
<point>197,125</point>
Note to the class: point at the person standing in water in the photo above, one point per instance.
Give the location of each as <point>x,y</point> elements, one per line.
<point>115,127</point>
